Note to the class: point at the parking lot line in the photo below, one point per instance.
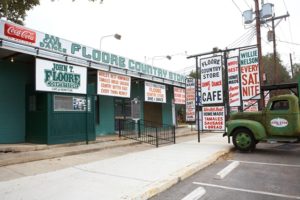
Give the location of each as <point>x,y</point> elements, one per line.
<point>195,194</point>
<point>224,172</point>
<point>263,163</point>
<point>246,190</point>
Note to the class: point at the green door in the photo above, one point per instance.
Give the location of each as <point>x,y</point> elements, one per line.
<point>279,118</point>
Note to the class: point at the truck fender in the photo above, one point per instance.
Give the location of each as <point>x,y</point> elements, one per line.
<point>258,130</point>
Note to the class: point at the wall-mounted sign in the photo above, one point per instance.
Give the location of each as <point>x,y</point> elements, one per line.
<point>111,84</point>
<point>60,77</point>
<point>190,99</point>
<point>233,81</point>
<point>155,92</point>
<point>179,95</point>
<point>249,74</point>
<point>211,80</point>
<point>214,118</point>
<point>56,44</point>
<point>19,33</point>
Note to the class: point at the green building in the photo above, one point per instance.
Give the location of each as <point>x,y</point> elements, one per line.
<point>57,91</point>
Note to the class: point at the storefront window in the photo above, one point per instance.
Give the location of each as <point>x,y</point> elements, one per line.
<point>70,103</point>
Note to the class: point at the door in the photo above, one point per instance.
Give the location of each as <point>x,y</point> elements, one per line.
<point>153,114</point>
<point>278,121</point>
<point>122,111</point>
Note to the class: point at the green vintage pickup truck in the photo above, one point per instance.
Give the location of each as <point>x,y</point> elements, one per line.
<point>278,121</point>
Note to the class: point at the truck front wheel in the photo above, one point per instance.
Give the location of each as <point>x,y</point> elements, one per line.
<point>243,140</point>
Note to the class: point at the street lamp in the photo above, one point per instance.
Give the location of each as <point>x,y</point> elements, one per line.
<point>117,36</point>
<point>167,57</point>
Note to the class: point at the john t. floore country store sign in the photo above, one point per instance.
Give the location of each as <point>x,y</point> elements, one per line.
<point>59,77</point>
<point>21,34</point>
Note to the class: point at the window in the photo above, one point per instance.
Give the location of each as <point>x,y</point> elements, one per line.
<point>70,103</point>
<point>280,105</point>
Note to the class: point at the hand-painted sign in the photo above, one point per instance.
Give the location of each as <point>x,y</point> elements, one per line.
<point>155,92</point>
<point>190,99</point>
<point>211,80</point>
<point>279,122</point>
<point>56,44</point>
<point>59,77</point>
<point>250,105</point>
<point>179,95</point>
<point>111,84</point>
<point>233,81</point>
<point>214,118</point>
<point>250,74</point>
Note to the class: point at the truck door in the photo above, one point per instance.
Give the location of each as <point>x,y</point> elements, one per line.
<point>278,118</point>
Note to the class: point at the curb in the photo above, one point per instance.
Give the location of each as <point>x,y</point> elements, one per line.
<point>41,156</point>
<point>174,178</point>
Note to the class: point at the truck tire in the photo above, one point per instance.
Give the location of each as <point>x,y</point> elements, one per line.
<point>243,140</point>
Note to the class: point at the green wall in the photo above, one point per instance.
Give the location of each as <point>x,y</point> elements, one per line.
<point>13,80</point>
<point>167,107</point>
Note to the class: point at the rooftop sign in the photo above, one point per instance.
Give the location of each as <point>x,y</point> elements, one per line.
<point>34,38</point>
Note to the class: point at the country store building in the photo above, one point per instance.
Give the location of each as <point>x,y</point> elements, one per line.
<point>45,82</point>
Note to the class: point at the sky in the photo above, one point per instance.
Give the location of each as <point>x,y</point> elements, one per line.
<point>153,29</point>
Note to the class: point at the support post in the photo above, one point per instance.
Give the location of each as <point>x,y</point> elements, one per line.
<point>156,136</point>
<point>197,98</point>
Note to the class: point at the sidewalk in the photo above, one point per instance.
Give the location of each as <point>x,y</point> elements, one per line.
<point>21,153</point>
<point>138,175</point>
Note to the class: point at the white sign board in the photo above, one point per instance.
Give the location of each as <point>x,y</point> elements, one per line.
<point>179,95</point>
<point>214,118</point>
<point>60,77</point>
<point>250,105</point>
<point>233,81</point>
<point>155,92</point>
<point>111,84</point>
<point>250,74</point>
<point>211,80</point>
<point>190,99</point>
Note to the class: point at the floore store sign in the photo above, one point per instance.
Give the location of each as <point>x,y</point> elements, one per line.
<point>21,34</point>
<point>155,92</point>
<point>59,77</point>
<point>211,80</point>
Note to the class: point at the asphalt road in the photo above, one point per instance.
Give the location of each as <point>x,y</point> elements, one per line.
<point>272,171</point>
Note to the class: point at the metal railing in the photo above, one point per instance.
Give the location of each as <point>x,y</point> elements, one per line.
<point>146,131</point>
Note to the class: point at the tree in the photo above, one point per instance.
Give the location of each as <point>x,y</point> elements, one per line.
<point>296,70</point>
<point>283,75</point>
<point>15,10</point>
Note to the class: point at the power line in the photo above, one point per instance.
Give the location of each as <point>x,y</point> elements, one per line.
<point>292,43</point>
<point>247,4</point>
<point>237,7</point>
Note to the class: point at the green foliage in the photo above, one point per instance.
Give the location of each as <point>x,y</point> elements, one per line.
<point>268,63</point>
<point>193,74</point>
<point>296,70</point>
<point>15,10</point>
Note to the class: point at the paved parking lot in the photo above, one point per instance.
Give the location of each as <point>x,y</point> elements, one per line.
<point>272,171</point>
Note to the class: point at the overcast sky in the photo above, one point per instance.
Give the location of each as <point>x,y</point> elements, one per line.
<point>152,28</point>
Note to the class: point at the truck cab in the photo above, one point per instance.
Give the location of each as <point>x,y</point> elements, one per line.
<point>279,121</point>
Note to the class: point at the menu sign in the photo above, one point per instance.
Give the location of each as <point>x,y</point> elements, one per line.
<point>214,118</point>
<point>155,92</point>
<point>179,95</point>
<point>233,81</point>
<point>190,99</point>
<point>111,84</point>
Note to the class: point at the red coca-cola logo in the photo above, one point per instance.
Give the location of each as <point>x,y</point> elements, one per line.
<point>19,33</point>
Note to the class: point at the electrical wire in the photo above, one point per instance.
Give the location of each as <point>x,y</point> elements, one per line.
<point>292,43</point>
<point>237,7</point>
<point>247,4</point>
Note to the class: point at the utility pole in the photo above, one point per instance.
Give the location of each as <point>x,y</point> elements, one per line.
<point>292,67</point>
<point>258,40</point>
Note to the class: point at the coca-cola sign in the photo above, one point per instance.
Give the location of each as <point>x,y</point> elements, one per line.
<point>19,33</point>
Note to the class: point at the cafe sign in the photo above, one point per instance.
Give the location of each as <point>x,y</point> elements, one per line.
<point>60,77</point>
<point>52,43</point>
